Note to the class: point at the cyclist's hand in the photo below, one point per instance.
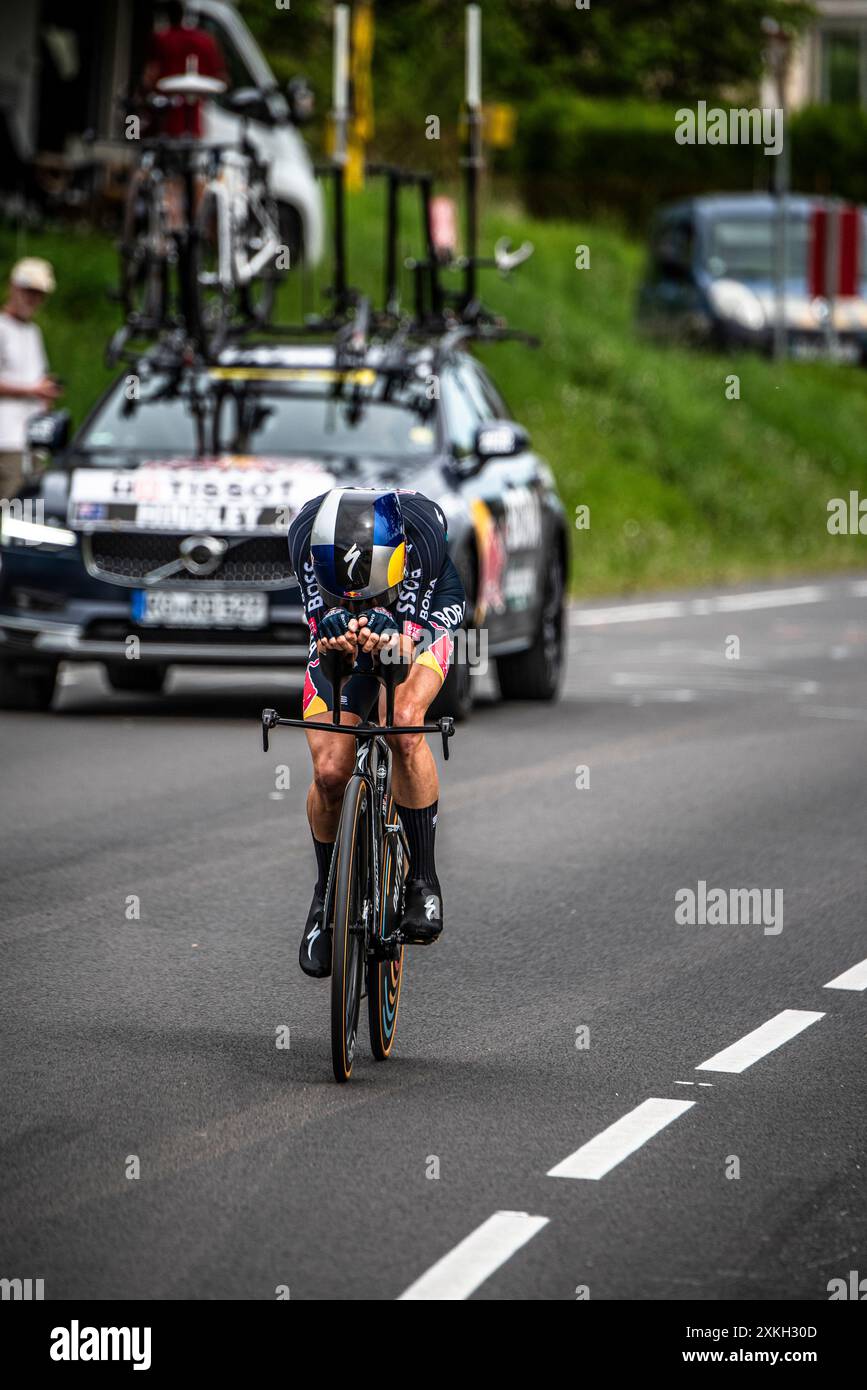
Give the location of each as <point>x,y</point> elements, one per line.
<point>376,629</point>
<point>338,632</point>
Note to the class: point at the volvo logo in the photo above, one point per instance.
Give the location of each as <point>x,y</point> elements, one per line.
<point>201,555</point>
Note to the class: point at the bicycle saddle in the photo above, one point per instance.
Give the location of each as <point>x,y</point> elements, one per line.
<point>245,98</point>
<point>191,84</point>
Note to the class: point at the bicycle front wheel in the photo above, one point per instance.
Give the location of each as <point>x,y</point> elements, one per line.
<point>352,905</point>
<point>384,977</point>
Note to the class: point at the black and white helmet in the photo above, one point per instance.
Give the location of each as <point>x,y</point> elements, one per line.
<point>358,546</point>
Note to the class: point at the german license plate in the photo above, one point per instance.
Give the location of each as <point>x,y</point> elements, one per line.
<point>189,608</point>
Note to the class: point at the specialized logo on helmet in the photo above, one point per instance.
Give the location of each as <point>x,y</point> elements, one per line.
<point>351,558</point>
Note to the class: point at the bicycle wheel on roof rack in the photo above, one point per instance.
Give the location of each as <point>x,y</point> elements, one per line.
<point>143,271</point>
<point>257,297</point>
<point>384,977</point>
<point>209,301</point>
<point>352,910</point>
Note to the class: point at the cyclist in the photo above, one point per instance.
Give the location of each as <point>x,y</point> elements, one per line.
<point>373,566</point>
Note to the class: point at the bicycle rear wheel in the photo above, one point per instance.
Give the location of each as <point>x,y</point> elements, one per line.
<point>352,906</point>
<point>210,300</point>
<point>143,273</point>
<point>384,977</point>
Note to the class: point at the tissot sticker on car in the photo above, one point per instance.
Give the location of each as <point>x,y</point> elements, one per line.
<point>224,495</point>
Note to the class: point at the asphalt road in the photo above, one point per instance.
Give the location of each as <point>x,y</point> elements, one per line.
<point>155,1039</point>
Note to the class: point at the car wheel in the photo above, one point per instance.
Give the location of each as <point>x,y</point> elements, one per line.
<point>25,688</point>
<point>140,680</point>
<point>456,696</point>
<point>536,673</point>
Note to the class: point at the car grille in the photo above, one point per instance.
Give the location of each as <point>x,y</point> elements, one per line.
<point>127,558</point>
<point>275,635</point>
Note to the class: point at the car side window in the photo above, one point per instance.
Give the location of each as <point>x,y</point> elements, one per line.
<point>461,410</point>
<point>672,249</point>
<point>494,406</point>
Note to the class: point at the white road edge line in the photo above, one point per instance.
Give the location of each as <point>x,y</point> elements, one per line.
<point>771,1035</point>
<point>714,603</point>
<point>853,978</point>
<point>462,1270</point>
<point>833,712</point>
<point>598,1156</point>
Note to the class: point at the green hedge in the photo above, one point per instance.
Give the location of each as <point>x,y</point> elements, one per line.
<point>829,151</point>
<point>581,158</point>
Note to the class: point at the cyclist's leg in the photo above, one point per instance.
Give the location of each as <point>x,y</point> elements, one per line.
<point>333,757</point>
<point>415,785</point>
<point>414,778</point>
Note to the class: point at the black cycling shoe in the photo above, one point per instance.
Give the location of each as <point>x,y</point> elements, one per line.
<point>314,955</point>
<point>423,911</point>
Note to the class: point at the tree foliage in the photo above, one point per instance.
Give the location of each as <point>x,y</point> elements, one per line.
<point>656,49</point>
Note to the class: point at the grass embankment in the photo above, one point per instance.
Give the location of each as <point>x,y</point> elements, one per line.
<point>683,485</point>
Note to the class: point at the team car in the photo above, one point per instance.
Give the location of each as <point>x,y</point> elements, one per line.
<point>157,535</point>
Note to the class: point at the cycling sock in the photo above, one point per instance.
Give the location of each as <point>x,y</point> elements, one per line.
<point>324,852</point>
<point>420,826</point>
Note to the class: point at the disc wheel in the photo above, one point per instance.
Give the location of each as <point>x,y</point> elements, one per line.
<point>352,906</point>
<point>384,977</point>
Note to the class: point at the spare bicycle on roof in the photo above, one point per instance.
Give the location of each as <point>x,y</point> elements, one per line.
<point>201,258</point>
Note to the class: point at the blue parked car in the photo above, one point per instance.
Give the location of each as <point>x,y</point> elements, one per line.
<point>710,280</point>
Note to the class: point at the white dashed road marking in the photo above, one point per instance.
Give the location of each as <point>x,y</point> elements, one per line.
<point>771,1035</point>
<point>853,978</point>
<point>462,1270</point>
<point>459,1273</point>
<point>598,1156</point>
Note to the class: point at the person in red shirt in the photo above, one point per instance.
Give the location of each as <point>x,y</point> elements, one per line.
<point>169,54</point>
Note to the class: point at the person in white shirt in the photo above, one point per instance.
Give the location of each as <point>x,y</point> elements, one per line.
<point>26,388</point>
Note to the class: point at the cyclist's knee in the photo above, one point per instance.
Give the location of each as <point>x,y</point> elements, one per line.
<point>406,746</point>
<point>331,772</point>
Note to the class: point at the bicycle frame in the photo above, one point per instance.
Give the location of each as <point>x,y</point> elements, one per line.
<point>235,197</point>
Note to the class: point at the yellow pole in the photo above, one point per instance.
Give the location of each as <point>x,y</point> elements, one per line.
<point>361,65</point>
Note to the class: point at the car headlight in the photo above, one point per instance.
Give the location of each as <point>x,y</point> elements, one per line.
<point>735,301</point>
<point>16,531</point>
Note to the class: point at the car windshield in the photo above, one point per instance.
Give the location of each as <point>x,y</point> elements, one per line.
<point>358,416</point>
<point>743,248</point>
